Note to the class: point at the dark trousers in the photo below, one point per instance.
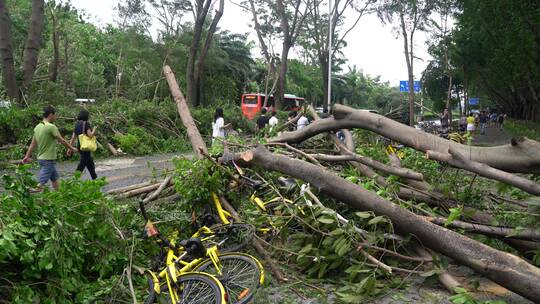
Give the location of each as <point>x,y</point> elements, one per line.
<point>87,162</point>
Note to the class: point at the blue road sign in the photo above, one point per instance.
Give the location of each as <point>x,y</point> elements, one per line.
<point>474,101</point>
<point>404,86</point>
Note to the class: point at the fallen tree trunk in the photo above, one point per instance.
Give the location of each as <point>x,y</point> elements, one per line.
<point>455,159</point>
<point>525,233</point>
<point>506,269</point>
<point>194,136</point>
<point>522,155</point>
<point>137,191</point>
<point>158,191</point>
<point>129,188</point>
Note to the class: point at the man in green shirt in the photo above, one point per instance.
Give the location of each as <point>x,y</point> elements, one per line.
<point>46,136</point>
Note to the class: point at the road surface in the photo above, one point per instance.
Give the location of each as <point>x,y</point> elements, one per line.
<point>124,171</point>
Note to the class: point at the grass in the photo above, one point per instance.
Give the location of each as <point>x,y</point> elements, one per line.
<point>522,128</point>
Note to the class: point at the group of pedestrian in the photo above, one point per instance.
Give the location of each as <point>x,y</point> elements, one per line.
<point>481,120</point>
<point>263,121</point>
<point>45,139</point>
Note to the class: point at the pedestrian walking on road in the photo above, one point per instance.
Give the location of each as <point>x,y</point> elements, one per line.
<point>46,136</point>
<point>500,120</point>
<point>83,126</point>
<point>218,125</point>
<point>483,118</point>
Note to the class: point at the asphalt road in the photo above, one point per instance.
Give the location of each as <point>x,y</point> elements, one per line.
<point>124,171</point>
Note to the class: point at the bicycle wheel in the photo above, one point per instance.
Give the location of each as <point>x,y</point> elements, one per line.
<point>232,237</point>
<point>193,288</point>
<point>241,275</point>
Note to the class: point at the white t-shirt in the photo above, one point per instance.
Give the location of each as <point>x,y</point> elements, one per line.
<point>273,121</point>
<point>217,128</point>
<point>302,122</point>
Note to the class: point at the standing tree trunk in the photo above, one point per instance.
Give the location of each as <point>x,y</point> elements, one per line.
<point>202,55</point>
<point>286,46</point>
<point>53,68</point>
<point>33,42</point>
<point>282,78</point>
<point>409,58</point>
<point>6,53</point>
<point>201,10</point>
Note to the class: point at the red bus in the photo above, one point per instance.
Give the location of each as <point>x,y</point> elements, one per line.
<point>252,103</point>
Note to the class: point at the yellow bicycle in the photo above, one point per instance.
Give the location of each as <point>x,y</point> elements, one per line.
<point>196,273</point>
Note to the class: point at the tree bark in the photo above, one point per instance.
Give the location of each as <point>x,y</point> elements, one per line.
<point>202,55</point>
<point>202,7</point>
<point>158,191</point>
<point>53,68</point>
<point>522,155</point>
<point>194,136</point>
<point>525,234</point>
<point>6,53</point>
<point>282,78</point>
<point>506,269</point>
<point>455,159</point>
<point>33,42</point>
<point>410,72</point>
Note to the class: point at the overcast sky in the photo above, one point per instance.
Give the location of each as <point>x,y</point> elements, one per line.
<point>372,47</point>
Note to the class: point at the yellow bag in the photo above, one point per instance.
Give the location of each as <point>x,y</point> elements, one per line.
<point>86,142</point>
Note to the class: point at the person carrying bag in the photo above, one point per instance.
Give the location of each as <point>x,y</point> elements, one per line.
<point>87,143</point>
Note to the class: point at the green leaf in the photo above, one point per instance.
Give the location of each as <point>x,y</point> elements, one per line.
<point>325,220</point>
<point>378,219</point>
<point>455,213</point>
<point>364,214</point>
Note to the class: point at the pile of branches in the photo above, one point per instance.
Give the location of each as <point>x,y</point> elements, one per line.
<point>395,196</point>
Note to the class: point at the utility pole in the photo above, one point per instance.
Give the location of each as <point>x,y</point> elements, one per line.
<point>328,105</point>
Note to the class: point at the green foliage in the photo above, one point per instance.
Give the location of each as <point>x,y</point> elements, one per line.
<point>196,180</point>
<point>522,128</point>
<point>51,239</point>
<point>463,297</point>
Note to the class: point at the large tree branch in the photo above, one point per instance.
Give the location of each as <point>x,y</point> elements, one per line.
<point>506,269</point>
<point>522,155</point>
<point>457,160</point>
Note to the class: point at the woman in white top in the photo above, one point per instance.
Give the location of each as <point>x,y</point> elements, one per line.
<point>273,120</point>
<point>218,125</point>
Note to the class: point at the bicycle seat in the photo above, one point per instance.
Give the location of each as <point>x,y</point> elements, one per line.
<point>194,247</point>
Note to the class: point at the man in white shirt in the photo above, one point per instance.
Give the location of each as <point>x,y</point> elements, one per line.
<point>302,122</point>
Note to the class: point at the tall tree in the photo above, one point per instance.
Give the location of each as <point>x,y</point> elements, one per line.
<point>196,59</point>
<point>6,52</point>
<point>269,56</point>
<point>440,29</point>
<point>498,49</point>
<point>412,16</point>
<point>33,42</point>
<point>292,15</point>
<point>316,38</point>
